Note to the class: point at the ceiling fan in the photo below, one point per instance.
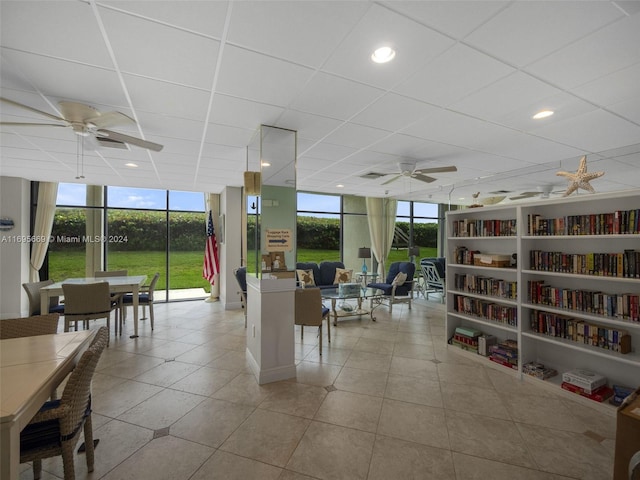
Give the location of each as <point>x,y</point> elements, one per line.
<point>88,121</point>
<point>543,191</point>
<point>408,169</point>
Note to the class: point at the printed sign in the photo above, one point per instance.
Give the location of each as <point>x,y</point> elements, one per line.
<point>279,240</point>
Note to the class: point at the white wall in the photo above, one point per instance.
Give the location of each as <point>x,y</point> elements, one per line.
<point>14,256</point>
<point>231,249</point>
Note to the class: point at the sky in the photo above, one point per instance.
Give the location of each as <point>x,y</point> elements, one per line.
<point>74,194</point>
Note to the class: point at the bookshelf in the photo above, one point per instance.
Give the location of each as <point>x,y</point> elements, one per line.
<point>574,284</point>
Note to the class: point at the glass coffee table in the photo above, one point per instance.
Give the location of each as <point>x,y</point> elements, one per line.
<point>372,294</point>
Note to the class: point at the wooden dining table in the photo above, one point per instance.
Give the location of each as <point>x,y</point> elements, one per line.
<point>124,284</point>
<point>30,370</point>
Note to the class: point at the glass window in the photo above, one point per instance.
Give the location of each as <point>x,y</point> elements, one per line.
<point>318,228</point>
<point>143,198</point>
<point>425,210</point>
<point>186,201</point>
<point>72,194</point>
<point>309,202</point>
<point>67,250</point>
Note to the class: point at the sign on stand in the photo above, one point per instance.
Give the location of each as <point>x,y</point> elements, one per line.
<point>279,240</point>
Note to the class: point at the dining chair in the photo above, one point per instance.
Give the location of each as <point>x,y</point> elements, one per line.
<point>241,277</point>
<point>145,299</point>
<point>115,297</point>
<point>29,326</point>
<point>56,428</point>
<point>89,301</point>
<point>33,292</point>
<point>310,312</point>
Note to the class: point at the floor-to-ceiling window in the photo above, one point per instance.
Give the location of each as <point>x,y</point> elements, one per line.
<point>318,227</point>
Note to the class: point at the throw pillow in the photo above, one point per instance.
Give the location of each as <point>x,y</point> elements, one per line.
<point>305,277</point>
<point>343,275</point>
<point>400,279</point>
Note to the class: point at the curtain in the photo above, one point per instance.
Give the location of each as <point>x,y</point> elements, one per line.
<point>381,214</point>
<point>45,211</point>
<point>212,202</point>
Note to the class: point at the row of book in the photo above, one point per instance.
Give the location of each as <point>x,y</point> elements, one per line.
<point>613,223</point>
<point>587,384</point>
<point>622,306</point>
<point>470,227</point>
<point>580,331</point>
<point>483,285</point>
<point>624,264</point>
<point>505,353</point>
<point>481,308</point>
<point>466,339</point>
<point>464,256</point>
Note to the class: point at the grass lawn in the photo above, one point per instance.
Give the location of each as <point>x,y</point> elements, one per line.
<point>185,267</point>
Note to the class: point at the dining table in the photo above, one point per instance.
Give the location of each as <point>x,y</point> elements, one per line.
<point>30,370</point>
<point>117,284</point>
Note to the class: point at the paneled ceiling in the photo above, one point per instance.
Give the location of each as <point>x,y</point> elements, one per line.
<point>199,77</point>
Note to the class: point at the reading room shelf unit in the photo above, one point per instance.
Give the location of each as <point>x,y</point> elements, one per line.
<point>564,273</point>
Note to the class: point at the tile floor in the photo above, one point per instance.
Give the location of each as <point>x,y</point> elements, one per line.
<point>386,400</point>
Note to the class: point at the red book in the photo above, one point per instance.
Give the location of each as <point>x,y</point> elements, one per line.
<point>600,394</point>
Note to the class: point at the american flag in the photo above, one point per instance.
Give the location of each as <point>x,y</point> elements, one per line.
<point>211,265</point>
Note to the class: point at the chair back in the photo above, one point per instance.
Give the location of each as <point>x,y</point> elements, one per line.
<point>33,292</point>
<point>110,273</point>
<point>408,268</point>
<point>152,285</point>
<point>77,391</point>
<point>29,326</point>
<point>308,309</point>
<point>91,300</point>
<point>431,275</point>
<point>241,278</point>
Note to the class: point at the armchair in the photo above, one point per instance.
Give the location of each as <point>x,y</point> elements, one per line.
<point>433,273</point>
<point>395,290</point>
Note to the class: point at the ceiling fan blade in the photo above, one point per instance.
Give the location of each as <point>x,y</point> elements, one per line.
<point>23,124</point>
<point>35,110</point>
<point>423,178</point>
<point>437,169</point>
<point>392,179</point>
<point>76,112</point>
<point>524,195</point>
<point>138,142</point>
<point>492,200</point>
<point>110,119</point>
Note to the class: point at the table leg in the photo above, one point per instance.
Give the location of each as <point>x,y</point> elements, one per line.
<point>335,314</point>
<point>9,451</point>
<point>136,295</point>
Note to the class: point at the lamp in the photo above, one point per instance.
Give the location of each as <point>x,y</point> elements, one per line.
<point>414,252</point>
<point>364,253</point>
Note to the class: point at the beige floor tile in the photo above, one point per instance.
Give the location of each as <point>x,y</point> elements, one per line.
<point>474,468</point>
<point>232,360</point>
<point>313,373</point>
<point>333,452</point>
<point>201,355</point>
<point>487,437</point>
<point>368,382</point>
<point>229,342</point>
<point>122,397</point>
<point>472,375</point>
<point>415,338</point>
<point>398,459</point>
<point>414,350</point>
<point>381,332</point>
<point>414,423</point>
<point>414,390</point>
<point>170,350</point>
<point>132,366</point>
<point>243,389</point>
<point>330,355</point>
<point>204,381</point>
<point>371,345</point>
<point>163,458</point>
<point>267,437</point>
<point>414,367</point>
<point>290,475</point>
<point>447,354</point>
<point>294,399</point>
<point>227,466</point>
<point>543,411</point>
<point>472,399</point>
<point>211,422</point>
<point>167,373</point>
<point>369,361</point>
<point>161,410</point>
<point>352,410</point>
<point>593,420</point>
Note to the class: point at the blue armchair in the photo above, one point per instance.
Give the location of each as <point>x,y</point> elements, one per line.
<point>398,293</point>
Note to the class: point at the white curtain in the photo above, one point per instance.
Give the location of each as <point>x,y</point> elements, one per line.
<point>381,214</point>
<point>45,211</point>
<point>212,202</point>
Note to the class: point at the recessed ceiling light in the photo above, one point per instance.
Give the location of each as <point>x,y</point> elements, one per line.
<point>340,185</point>
<point>383,55</point>
<point>132,165</point>
<point>543,114</point>
<point>265,164</point>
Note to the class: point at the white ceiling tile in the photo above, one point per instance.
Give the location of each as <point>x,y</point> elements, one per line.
<point>398,144</point>
<point>448,79</point>
<point>231,136</point>
<point>527,31</point>
<point>308,126</point>
<point>208,18</point>
<point>605,51</point>
<point>356,136</point>
<point>457,18</point>
<point>294,31</point>
<point>326,151</point>
<point>393,112</point>
<point>238,112</point>
<point>261,78</point>
<point>629,109</point>
<point>335,97</point>
<point>617,87</point>
<point>414,45</point>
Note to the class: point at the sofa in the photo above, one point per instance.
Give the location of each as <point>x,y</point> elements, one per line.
<point>323,274</point>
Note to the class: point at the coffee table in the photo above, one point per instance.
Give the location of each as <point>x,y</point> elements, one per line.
<point>373,294</point>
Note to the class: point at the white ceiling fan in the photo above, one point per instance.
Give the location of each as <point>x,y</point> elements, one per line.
<point>408,169</point>
<point>88,121</point>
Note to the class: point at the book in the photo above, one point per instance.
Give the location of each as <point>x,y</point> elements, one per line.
<point>584,379</point>
<point>599,395</point>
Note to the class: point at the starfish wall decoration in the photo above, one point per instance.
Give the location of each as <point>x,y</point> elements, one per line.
<point>580,179</point>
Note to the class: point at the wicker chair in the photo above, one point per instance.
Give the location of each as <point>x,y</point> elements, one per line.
<point>145,298</point>
<point>29,326</point>
<point>84,302</point>
<point>56,428</point>
<point>33,292</point>
<point>309,311</point>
